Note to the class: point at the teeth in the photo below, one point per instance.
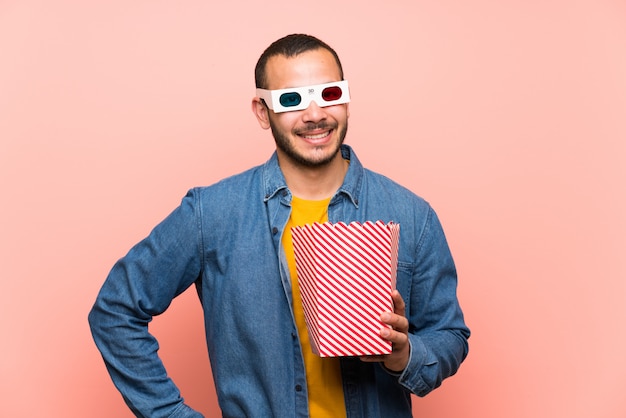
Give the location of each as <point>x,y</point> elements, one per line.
<point>318,136</point>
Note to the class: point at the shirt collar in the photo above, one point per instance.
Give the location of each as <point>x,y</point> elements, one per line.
<point>274,181</point>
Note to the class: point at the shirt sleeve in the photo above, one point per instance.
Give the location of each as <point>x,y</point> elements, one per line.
<point>437,332</point>
<point>141,285</point>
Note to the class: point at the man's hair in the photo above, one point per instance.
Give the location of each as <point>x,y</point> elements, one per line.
<point>290,46</point>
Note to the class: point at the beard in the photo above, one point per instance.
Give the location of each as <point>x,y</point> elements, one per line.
<point>284,143</point>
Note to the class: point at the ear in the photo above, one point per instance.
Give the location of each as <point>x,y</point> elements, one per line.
<point>261,112</point>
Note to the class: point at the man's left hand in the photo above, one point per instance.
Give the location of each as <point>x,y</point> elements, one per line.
<point>397,335</point>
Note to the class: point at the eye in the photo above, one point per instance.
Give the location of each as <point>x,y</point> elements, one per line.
<point>290,99</point>
<point>332,93</point>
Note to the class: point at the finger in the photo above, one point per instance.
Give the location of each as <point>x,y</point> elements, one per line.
<point>373,359</point>
<point>397,338</point>
<point>398,303</point>
<point>397,322</point>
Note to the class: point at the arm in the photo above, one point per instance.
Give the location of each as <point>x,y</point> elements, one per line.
<point>428,333</point>
<point>140,286</point>
<point>437,331</point>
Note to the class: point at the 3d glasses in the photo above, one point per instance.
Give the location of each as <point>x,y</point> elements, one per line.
<point>299,98</point>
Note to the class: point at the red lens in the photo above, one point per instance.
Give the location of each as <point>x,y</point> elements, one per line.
<point>331,94</point>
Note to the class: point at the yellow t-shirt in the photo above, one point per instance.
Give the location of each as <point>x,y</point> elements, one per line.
<point>323,375</point>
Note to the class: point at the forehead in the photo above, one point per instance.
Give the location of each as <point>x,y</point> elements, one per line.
<point>311,67</point>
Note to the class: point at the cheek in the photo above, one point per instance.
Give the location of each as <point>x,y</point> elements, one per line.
<point>341,114</point>
<point>282,123</point>
<point>286,121</point>
<point>340,111</point>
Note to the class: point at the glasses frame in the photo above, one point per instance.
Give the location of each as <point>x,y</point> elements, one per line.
<point>307,94</point>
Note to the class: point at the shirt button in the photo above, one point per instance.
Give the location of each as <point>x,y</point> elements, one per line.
<point>298,388</point>
<point>274,230</point>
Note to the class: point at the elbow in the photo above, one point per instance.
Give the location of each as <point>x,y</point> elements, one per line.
<point>94,319</point>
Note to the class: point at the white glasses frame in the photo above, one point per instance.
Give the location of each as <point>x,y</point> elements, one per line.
<point>307,94</point>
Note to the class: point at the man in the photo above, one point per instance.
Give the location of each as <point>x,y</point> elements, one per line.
<point>233,241</point>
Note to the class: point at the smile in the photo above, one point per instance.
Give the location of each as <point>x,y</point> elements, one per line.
<point>316,136</point>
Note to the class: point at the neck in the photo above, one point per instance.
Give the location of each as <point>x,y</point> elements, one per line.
<point>314,183</point>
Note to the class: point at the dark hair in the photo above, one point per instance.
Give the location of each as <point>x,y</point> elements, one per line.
<point>290,46</point>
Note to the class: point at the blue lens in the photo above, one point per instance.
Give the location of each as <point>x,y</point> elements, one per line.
<point>290,99</point>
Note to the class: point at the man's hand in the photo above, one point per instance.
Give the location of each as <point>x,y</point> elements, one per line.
<point>397,335</point>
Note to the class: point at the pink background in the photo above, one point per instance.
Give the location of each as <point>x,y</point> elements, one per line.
<point>508,116</point>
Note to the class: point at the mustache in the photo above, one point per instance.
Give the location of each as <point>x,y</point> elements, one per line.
<point>322,126</point>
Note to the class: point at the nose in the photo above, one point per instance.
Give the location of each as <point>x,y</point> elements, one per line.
<point>314,113</point>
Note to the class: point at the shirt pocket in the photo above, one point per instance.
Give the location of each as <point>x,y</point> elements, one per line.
<point>404,276</point>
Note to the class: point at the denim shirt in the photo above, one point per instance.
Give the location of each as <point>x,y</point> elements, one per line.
<point>226,239</point>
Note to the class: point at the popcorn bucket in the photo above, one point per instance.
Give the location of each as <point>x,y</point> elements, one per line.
<point>346,274</point>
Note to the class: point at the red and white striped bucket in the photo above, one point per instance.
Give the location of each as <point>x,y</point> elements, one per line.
<point>346,274</point>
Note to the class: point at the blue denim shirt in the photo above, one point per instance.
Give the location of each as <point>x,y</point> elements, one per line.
<point>226,239</point>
